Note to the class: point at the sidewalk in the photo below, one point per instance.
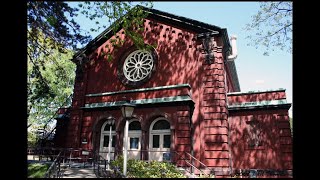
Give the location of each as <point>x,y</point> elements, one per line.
<point>79,173</point>
<point>76,170</point>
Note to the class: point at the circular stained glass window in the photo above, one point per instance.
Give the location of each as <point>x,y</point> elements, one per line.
<point>138,65</point>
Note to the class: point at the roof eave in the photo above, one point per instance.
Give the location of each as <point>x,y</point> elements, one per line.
<point>196,26</point>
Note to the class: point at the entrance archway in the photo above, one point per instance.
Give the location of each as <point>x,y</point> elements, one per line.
<point>105,139</point>
<point>159,140</point>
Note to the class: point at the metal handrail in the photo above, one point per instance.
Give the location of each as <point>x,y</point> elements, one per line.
<point>96,161</point>
<point>201,171</point>
<point>186,161</point>
<point>54,169</point>
<point>44,152</point>
<point>198,161</point>
<point>116,172</point>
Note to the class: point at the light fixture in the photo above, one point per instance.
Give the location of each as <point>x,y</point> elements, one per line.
<point>127,110</point>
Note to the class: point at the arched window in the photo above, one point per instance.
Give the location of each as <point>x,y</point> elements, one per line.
<point>160,140</point>
<point>107,127</point>
<point>134,125</point>
<point>105,133</point>
<point>134,139</point>
<point>161,125</point>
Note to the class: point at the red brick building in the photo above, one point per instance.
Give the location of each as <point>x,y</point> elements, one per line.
<point>187,98</point>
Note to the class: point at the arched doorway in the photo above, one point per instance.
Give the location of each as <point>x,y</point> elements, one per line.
<point>159,140</point>
<point>134,139</point>
<point>107,128</point>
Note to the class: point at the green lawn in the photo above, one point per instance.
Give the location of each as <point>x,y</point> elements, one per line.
<point>37,170</point>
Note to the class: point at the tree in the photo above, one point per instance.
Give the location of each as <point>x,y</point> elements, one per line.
<point>271,27</point>
<point>52,38</point>
<point>49,86</point>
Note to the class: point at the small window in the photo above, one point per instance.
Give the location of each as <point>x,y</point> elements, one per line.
<point>160,125</point>
<point>134,143</point>
<point>166,141</point>
<point>155,141</point>
<point>106,141</point>
<point>134,125</point>
<point>113,141</point>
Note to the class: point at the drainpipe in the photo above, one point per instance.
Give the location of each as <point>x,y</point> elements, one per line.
<point>234,54</point>
<point>231,57</point>
<point>191,106</point>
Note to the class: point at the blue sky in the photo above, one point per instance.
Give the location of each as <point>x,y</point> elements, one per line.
<point>255,71</point>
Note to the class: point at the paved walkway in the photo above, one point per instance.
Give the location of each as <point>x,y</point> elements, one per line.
<point>77,170</point>
<point>79,173</point>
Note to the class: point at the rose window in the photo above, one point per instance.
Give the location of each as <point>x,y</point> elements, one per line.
<point>138,65</point>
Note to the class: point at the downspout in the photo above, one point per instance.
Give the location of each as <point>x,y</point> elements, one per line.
<point>191,106</point>
<point>231,57</point>
<point>234,54</point>
<point>82,61</point>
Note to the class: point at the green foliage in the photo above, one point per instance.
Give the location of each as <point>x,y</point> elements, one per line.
<point>32,139</point>
<point>48,86</point>
<point>271,27</point>
<point>52,37</point>
<point>119,14</point>
<point>53,19</point>
<point>144,169</point>
<point>37,170</point>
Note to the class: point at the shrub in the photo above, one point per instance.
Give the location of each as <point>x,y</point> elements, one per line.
<point>143,169</point>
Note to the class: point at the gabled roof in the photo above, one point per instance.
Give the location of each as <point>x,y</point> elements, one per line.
<point>183,22</point>
<point>171,19</point>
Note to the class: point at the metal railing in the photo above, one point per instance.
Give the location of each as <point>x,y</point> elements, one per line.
<point>54,170</point>
<point>201,164</point>
<point>104,168</point>
<point>191,166</point>
<point>43,153</point>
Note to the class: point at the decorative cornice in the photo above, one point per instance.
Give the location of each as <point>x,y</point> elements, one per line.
<point>256,92</point>
<point>141,90</point>
<point>139,102</point>
<point>260,105</point>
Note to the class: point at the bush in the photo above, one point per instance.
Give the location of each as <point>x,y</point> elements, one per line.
<point>143,169</point>
<point>37,170</point>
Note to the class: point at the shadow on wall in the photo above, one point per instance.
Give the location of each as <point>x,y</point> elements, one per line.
<point>177,61</point>
<point>256,141</point>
